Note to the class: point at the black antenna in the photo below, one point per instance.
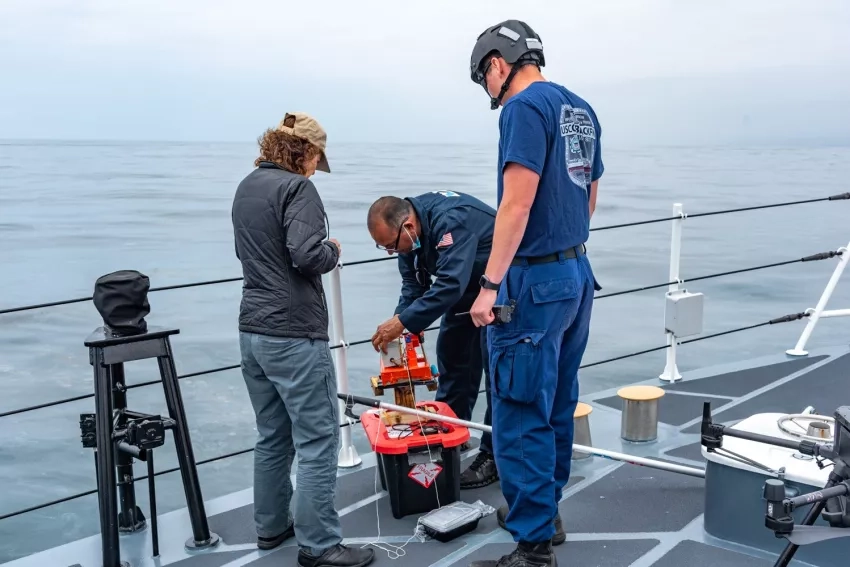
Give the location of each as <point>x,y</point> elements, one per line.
<point>709,438</point>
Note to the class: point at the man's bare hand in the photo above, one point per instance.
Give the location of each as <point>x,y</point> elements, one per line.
<point>337,244</point>
<point>482,309</point>
<point>387,332</point>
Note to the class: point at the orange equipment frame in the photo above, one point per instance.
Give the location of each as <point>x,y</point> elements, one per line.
<point>404,367</point>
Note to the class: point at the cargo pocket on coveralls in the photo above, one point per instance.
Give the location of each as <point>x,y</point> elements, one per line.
<point>517,359</point>
<point>554,290</point>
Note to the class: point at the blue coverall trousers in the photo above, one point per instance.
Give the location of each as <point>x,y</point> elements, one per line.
<point>534,363</point>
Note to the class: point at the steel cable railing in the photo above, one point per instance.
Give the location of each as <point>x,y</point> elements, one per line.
<point>151,382</point>
<point>135,479</point>
<point>89,298</point>
<point>783,319</point>
<point>811,258</point>
<point>814,257</point>
<point>839,197</point>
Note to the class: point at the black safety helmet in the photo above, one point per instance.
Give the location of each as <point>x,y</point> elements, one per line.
<point>515,42</point>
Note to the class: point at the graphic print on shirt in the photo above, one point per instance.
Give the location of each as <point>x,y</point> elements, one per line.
<point>579,135</point>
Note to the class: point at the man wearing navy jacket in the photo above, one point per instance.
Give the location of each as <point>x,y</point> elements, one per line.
<point>447,236</point>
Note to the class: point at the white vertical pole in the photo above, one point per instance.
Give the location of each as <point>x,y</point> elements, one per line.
<point>814,315</point>
<point>671,372</point>
<point>348,456</point>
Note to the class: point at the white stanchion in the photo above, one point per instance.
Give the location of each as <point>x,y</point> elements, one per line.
<point>671,371</point>
<point>818,312</point>
<point>348,456</point>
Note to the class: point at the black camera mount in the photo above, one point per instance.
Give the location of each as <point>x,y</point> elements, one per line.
<point>119,435</point>
<point>832,503</point>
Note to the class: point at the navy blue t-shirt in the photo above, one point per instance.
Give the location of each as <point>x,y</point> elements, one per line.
<point>555,133</point>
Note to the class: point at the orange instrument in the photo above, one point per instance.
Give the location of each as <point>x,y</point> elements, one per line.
<point>403,367</point>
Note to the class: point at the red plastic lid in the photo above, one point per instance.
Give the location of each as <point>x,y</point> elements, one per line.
<point>399,439</point>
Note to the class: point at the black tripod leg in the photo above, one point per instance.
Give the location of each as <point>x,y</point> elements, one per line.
<point>788,553</point>
<point>152,489</point>
<point>201,536</point>
<point>100,503</point>
<point>106,476</point>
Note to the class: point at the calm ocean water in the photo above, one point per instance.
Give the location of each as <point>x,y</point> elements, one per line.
<point>71,212</point>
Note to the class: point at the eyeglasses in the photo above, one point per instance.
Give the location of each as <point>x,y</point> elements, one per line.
<point>481,75</point>
<point>394,247</point>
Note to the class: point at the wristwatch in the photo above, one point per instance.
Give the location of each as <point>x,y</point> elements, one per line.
<point>485,282</point>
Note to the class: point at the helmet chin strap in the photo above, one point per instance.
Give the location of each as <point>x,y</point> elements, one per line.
<point>496,101</point>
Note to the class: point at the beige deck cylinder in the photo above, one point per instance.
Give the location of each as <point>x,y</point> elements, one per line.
<point>640,413</point>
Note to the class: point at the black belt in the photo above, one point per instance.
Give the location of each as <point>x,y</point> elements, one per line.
<point>573,252</point>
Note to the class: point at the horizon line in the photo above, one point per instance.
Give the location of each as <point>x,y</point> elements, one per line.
<point>827,141</point>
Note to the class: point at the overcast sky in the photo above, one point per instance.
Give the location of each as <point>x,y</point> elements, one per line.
<point>656,71</point>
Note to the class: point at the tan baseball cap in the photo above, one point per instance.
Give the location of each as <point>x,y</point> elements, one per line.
<point>307,128</point>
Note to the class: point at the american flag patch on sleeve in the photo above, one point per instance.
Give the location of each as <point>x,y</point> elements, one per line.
<point>445,241</point>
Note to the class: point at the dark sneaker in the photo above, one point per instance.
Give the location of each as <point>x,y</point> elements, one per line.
<point>272,542</point>
<point>525,555</point>
<point>557,539</point>
<point>464,447</point>
<point>337,556</point>
<point>480,473</point>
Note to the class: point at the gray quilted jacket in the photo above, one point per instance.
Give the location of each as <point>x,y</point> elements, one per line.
<point>279,229</point>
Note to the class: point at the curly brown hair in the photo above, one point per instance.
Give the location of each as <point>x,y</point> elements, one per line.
<point>286,150</point>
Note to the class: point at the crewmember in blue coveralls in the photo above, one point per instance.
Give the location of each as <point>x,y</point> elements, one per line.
<point>549,165</point>
<point>445,235</point>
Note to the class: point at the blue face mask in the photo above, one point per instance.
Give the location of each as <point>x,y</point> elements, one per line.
<point>416,244</point>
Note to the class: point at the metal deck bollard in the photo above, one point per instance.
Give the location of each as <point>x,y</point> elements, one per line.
<point>640,413</point>
<point>581,430</point>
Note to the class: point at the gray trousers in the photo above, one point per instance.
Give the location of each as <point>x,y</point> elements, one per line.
<point>292,386</point>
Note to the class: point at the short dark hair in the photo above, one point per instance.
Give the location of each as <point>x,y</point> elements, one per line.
<point>391,210</point>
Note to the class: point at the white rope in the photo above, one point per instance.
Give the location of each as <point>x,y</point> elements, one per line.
<point>397,551</point>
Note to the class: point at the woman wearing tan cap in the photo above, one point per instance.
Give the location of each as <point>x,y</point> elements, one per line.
<point>279,229</point>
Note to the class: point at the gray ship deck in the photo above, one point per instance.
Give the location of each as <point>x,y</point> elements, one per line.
<point>615,514</point>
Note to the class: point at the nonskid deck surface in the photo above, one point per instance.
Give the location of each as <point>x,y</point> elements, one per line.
<point>615,514</point>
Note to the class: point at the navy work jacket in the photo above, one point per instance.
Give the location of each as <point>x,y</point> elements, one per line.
<point>457,236</point>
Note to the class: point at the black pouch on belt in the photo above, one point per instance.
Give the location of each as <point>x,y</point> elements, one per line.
<point>121,298</point>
